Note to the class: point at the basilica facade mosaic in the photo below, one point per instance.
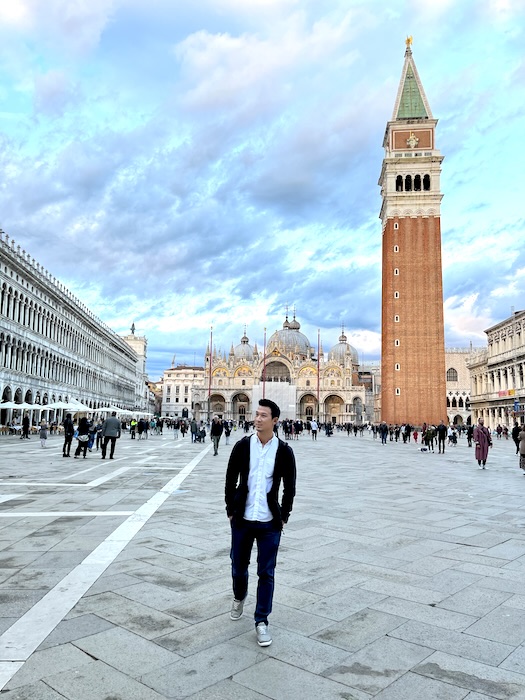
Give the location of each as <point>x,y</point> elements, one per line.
<point>302,379</point>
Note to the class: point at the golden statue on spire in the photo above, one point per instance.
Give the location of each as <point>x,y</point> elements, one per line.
<point>408,41</point>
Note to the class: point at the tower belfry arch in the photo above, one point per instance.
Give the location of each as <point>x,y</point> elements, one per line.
<point>413,341</point>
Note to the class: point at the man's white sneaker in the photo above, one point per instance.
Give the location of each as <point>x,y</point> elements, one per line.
<point>237,608</point>
<point>264,638</point>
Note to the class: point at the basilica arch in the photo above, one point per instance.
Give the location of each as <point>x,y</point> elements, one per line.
<point>308,408</point>
<point>241,407</point>
<point>276,371</point>
<point>334,409</point>
<point>217,405</point>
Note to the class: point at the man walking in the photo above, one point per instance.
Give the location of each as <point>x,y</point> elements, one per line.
<point>110,432</point>
<point>314,427</point>
<point>257,466</point>
<point>216,432</point>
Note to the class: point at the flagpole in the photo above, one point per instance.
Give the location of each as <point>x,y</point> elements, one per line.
<point>209,379</point>
<point>318,368</point>
<point>264,365</point>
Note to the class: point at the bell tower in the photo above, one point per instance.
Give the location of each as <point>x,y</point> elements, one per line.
<point>413,387</point>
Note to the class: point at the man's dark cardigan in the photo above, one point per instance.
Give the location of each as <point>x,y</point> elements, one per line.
<point>236,489</point>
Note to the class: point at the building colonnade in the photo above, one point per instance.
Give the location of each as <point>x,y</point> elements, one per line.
<point>52,347</point>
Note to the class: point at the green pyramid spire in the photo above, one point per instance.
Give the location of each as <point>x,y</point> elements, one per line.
<point>411,102</point>
<point>411,105</point>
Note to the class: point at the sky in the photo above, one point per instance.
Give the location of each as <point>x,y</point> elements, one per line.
<point>193,165</point>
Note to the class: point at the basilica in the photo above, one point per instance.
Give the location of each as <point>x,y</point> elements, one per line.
<point>302,379</point>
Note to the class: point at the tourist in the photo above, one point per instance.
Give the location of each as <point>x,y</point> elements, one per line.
<point>194,429</point>
<point>82,436</point>
<point>43,433</point>
<point>257,466</point>
<point>99,434</point>
<point>216,432</point>
<point>69,431</point>
<point>110,433</point>
<point>470,433</point>
<point>25,427</point>
<point>442,434</point>
<point>483,441</point>
<point>227,431</point>
<point>521,438</point>
<point>515,435</point>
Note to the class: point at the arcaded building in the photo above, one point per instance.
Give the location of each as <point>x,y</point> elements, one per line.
<point>52,347</point>
<point>412,345</point>
<point>497,374</point>
<point>303,380</point>
<point>458,385</point>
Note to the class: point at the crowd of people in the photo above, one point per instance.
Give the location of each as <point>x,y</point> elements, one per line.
<point>97,434</point>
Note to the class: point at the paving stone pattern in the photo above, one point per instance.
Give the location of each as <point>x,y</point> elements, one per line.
<point>400,576</point>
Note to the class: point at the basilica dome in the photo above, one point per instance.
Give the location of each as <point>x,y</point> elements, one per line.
<point>244,350</point>
<point>339,351</point>
<point>290,340</point>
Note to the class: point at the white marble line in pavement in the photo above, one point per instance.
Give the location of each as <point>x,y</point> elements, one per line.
<point>8,670</point>
<point>9,497</point>
<point>21,639</point>
<point>65,514</point>
<point>83,471</point>
<point>107,477</point>
<point>14,482</point>
<point>155,467</point>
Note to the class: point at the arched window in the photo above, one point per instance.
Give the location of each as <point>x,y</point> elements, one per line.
<point>408,183</point>
<point>426,182</point>
<point>399,183</point>
<point>417,183</point>
<point>452,375</point>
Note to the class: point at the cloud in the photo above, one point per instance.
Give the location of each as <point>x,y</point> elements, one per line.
<point>15,13</point>
<point>183,166</point>
<point>78,26</point>
<point>53,92</point>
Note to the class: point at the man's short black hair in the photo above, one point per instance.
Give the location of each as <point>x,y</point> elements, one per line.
<point>274,408</point>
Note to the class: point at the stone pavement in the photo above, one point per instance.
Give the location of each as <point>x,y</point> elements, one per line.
<point>400,576</point>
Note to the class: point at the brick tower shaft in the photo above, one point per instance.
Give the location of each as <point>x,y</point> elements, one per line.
<point>413,387</point>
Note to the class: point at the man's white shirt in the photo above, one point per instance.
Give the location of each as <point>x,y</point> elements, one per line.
<point>260,478</point>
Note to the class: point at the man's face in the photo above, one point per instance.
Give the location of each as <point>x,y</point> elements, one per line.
<point>263,419</point>
<point>481,421</point>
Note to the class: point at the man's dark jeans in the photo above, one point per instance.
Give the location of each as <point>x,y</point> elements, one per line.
<point>267,537</point>
<point>105,446</point>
